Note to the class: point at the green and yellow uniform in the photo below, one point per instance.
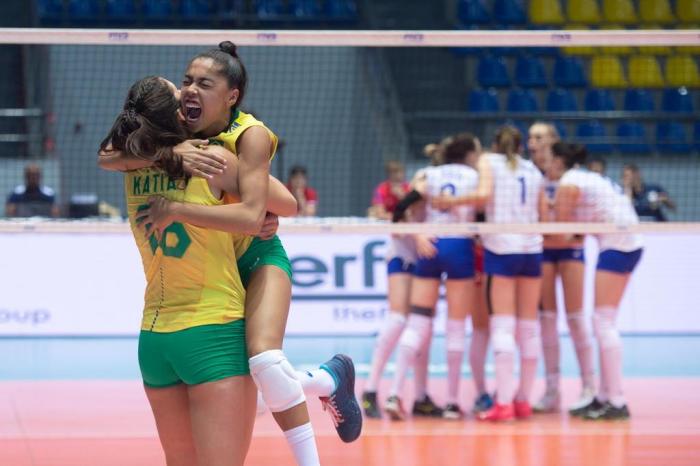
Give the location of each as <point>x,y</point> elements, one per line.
<point>192,329</point>
<point>252,252</point>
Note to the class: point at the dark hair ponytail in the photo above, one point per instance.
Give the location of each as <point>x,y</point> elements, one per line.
<point>148,126</point>
<point>571,154</point>
<point>458,148</point>
<point>230,66</point>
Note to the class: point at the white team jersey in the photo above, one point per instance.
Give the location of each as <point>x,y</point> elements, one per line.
<point>453,179</point>
<point>514,200</point>
<point>602,200</point>
<point>549,188</point>
<point>403,247</point>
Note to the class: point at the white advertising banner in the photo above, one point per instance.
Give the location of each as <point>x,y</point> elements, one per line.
<point>92,284</point>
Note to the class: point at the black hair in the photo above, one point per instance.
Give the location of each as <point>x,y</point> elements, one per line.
<point>230,66</point>
<point>632,167</point>
<point>571,154</point>
<point>599,160</point>
<point>148,126</point>
<point>458,148</point>
<point>297,170</point>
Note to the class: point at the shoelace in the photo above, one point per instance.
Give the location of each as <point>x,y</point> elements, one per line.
<point>329,405</point>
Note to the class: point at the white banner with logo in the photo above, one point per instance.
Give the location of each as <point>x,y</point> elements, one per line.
<point>92,284</point>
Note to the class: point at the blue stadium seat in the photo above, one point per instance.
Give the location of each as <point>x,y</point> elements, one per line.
<point>341,9</point>
<point>529,72</point>
<point>561,129</point>
<point>677,100</point>
<point>195,8</point>
<point>483,101</point>
<point>267,9</point>
<point>593,135</point>
<point>492,72</point>
<point>639,100</point>
<point>696,135</point>
<point>599,100</point>
<point>522,100</point>
<point>157,9</point>
<point>83,9</point>
<point>671,138</point>
<point>568,72</point>
<point>120,9</point>
<point>509,12</point>
<point>561,100</point>
<point>472,12</point>
<point>305,9</point>
<point>632,138</point>
<point>49,8</point>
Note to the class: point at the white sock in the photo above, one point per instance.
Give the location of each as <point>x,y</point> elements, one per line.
<point>503,343</point>
<point>582,344</point>
<point>477,357</point>
<point>550,348</point>
<point>610,346</point>
<point>385,344</point>
<point>417,331</point>
<point>420,369</point>
<point>303,444</point>
<point>455,342</point>
<point>317,382</point>
<point>527,334</point>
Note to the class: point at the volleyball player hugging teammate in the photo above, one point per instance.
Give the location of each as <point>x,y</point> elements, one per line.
<point>563,257</point>
<point>584,196</point>
<point>213,88</point>
<point>448,256</point>
<point>510,189</point>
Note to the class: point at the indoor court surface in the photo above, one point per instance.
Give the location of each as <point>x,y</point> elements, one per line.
<point>65,418</point>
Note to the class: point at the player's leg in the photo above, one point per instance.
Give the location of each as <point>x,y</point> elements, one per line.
<point>572,276</point>
<point>398,293</point>
<point>424,296</point>
<point>167,395</point>
<point>478,346</point>
<point>550,336</point>
<point>612,275</point>
<point>460,295</point>
<point>527,335</point>
<point>222,416</point>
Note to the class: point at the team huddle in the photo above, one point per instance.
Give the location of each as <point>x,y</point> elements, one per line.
<point>506,281</point>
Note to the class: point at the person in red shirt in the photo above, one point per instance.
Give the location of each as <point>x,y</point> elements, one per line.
<point>389,192</point>
<point>306,196</point>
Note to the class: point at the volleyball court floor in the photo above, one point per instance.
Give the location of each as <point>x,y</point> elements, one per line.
<point>78,402</point>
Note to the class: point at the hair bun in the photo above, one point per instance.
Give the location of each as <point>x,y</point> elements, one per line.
<point>229,47</point>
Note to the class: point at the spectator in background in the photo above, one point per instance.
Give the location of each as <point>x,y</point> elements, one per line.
<point>648,199</point>
<point>390,191</point>
<point>298,185</point>
<point>597,165</point>
<point>31,199</point>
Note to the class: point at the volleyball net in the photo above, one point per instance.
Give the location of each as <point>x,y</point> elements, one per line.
<point>345,103</point>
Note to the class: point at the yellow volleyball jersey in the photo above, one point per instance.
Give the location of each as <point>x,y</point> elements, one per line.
<point>191,273</point>
<point>240,122</point>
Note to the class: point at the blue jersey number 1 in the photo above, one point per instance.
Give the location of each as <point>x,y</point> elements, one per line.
<point>521,180</point>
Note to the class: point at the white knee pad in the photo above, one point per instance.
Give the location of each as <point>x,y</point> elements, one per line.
<point>276,380</point>
<point>502,341</point>
<point>605,330</point>
<point>417,330</point>
<point>577,329</point>
<point>527,333</point>
<point>455,336</point>
<point>550,333</point>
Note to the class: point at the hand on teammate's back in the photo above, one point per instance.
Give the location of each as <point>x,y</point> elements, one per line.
<point>425,246</point>
<point>270,226</point>
<point>442,202</point>
<point>197,161</point>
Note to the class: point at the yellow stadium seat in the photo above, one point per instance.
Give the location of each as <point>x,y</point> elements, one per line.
<point>681,70</point>
<point>583,11</point>
<point>656,11</point>
<point>607,72</point>
<point>585,50</point>
<point>619,11</point>
<point>688,11</point>
<point>645,71</point>
<point>545,12</point>
<point>617,50</point>
<point>656,49</point>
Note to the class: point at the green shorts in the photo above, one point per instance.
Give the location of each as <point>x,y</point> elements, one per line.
<point>263,252</point>
<point>192,356</point>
